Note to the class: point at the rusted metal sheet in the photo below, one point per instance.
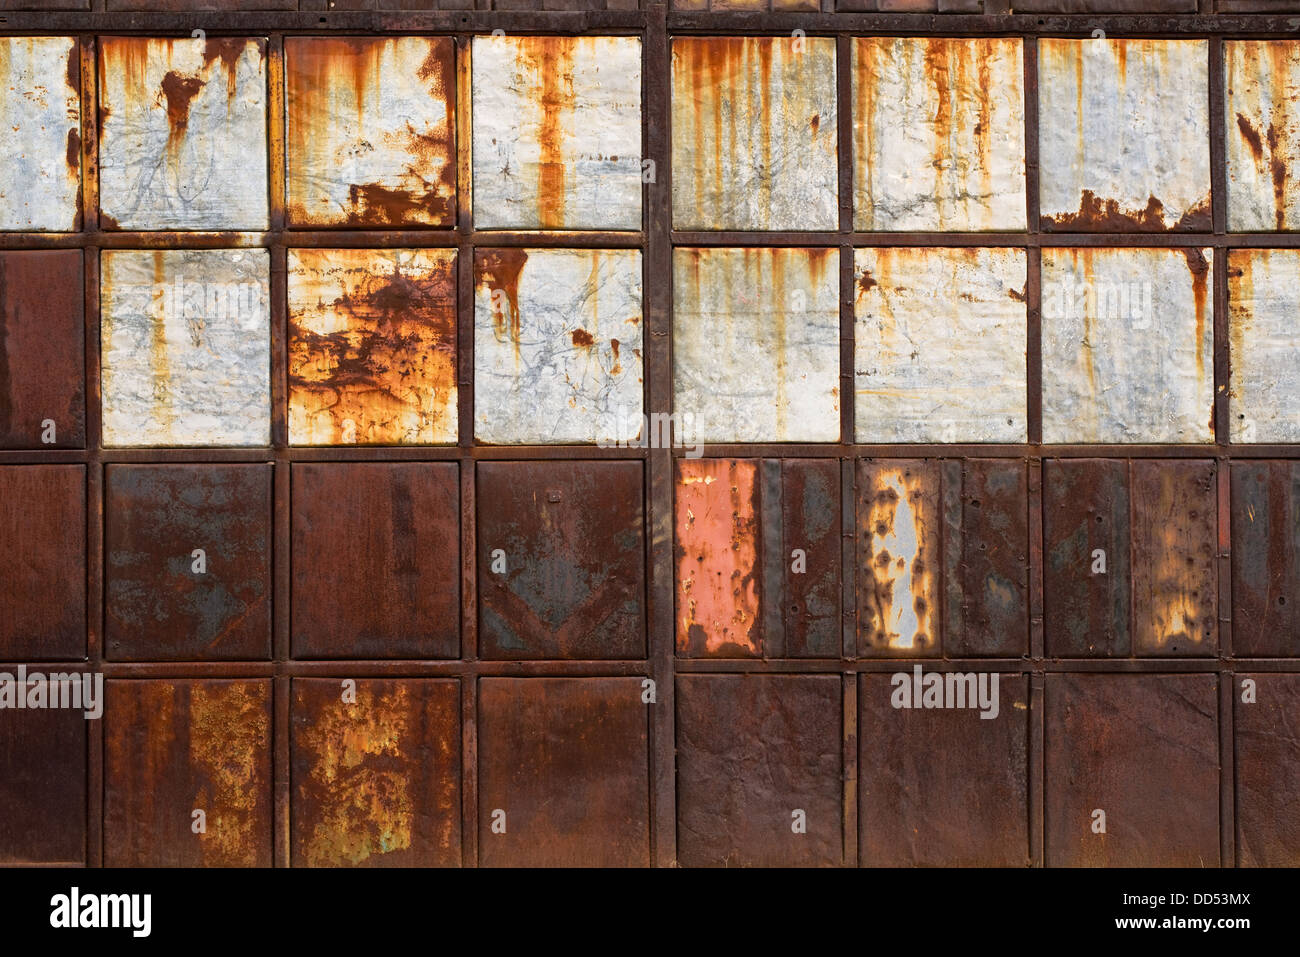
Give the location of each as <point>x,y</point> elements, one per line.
<point>759,771</point>
<point>372,346</point>
<point>564,776</point>
<point>42,350</point>
<point>1266,754</point>
<point>43,562</point>
<point>557,346</point>
<point>174,748</point>
<point>943,787</point>
<point>41,118</point>
<point>1175,582</point>
<point>810,524</point>
<point>1262,86</point>
<point>187,562</point>
<point>182,133</point>
<point>1128,345</point>
<point>1263,299</point>
<point>557,132</point>
<point>938,133</point>
<point>186,6</point>
<point>1266,558</point>
<point>371,131</point>
<point>376,566</point>
<point>43,785</point>
<point>940,345</point>
<point>375,766</point>
<point>1124,135</point>
<point>756,344</point>
<point>1086,595</point>
<point>186,347</point>
<point>1144,751</point>
<point>754,133</point>
<point>561,560</point>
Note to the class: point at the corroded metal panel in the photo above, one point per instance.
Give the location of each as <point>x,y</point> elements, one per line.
<point>1128,351</point>
<point>756,344</point>
<point>564,778</point>
<point>561,560</point>
<point>375,766</point>
<point>1261,90</point>
<point>810,523</point>
<point>1144,751</point>
<point>376,560</point>
<point>938,133</point>
<point>557,132</point>
<point>187,562</point>
<point>940,345</point>
<point>557,346</point>
<point>186,347</point>
<point>370,137</point>
<point>759,771</point>
<point>754,133</point>
<point>1266,558</point>
<point>372,346</point>
<point>182,133</point>
<point>42,350</point>
<point>943,787</point>
<point>40,114</point>
<point>1175,579</point>
<point>1266,755</point>
<point>1263,301</point>
<point>176,747</point>
<point>43,786</point>
<point>1124,138</point>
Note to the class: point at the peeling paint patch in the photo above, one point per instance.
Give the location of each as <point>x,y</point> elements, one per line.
<point>372,346</point>
<point>1124,135</point>
<point>754,133</point>
<point>756,344</point>
<point>183,140</point>
<point>537,378</point>
<point>1263,303</point>
<point>40,119</point>
<point>1128,350</point>
<point>1262,97</point>
<point>557,132</point>
<point>371,131</point>
<point>940,345</point>
<point>938,133</point>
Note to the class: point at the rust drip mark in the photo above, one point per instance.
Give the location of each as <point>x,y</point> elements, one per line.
<point>938,66</point>
<point>710,66</point>
<point>551,58</point>
<point>228,50</point>
<point>815,123</point>
<point>1277,169</point>
<point>1252,138</point>
<point>764,51</point>
<point>1200,270</point>
<point>230,729</point>
<point>498,272</point>
<point>898,568</point>
<point>179,90</point>
<point>866,282</point>
<point>1106,215</point>
<point>73,156</point>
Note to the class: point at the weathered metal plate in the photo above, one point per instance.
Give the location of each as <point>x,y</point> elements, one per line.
<point>754,133</point>
<point>172,748</point>
<point>43,785</point>
<point>564,778</point>
<point>938,133</point>
<point>940,345</point>
<point>756,344</point>
<point>182,133</point>
<point>1128,345</point>
<point>1261,89</point>
<point>1266,559</point>
<point>943,787</point>
<point>372,346</point>
<point>376,560</point>
<point>1124,137</point>
<point>561,560</point>
<point>1086,595</point>
<point>43,562</point>
<point>375,766</point>
<point>760,778</point>
<point>41,118</point>
<point>810,522</point>
<point>42,350</point>
<point>557,132</point>
<point>557,346</point>
<point>163,602</point>
<point>186,347</point>
<point>1175,580</point>
<point>1142,749</point>
<point>1267,759</point>
<point>1264,390</point>
<point>371,132</point>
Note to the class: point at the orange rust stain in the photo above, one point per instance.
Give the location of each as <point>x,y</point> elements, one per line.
<point>939,59</point>
<point>498,270</point>
<point>815,123</point>
<point>179,91</point>
<point>229,738</point>
<point>1278,171</point>
<point>707,72</point>
<point>583,339</point>
<point>1252,138</point>
<point>1200,270</point>
<point>551,59</point>
<point>228,50</point>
